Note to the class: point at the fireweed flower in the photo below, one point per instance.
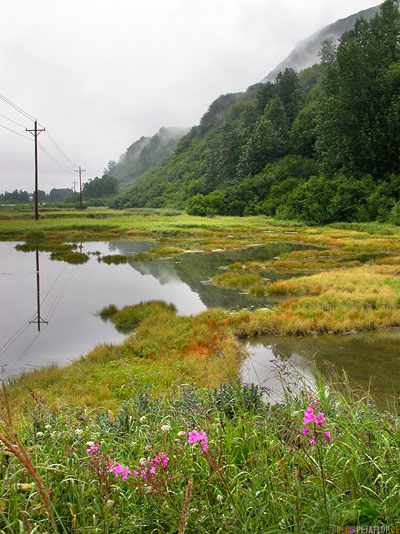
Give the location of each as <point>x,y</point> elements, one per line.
<point>119,471</point>
<point>93,448</point>
<point>151,467</point>
<point>198,437</point>
<point>317,419</point>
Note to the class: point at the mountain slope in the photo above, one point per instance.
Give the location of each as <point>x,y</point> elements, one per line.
<point>305,53</point>
<point>321,145</point>
<point>145,154</point>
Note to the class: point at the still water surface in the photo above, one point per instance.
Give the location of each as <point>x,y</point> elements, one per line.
<point>371,361</point>
<point>71,295</point>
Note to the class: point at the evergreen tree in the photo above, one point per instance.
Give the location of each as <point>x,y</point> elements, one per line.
<point>358,124</point>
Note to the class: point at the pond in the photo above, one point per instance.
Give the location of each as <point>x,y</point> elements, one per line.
<point>71,295</point>
<point>371,361</point>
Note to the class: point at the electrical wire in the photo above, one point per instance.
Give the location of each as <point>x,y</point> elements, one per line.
<point>17,108</point>
<point>26,349</point>
<point>17,133</point>
<point>58,297</point>
<point>14,337</point>
<point>26,324</point>
<point>50,137</point>
<point>52,140</point>
<point>63,167</point>
<point>11,120</point>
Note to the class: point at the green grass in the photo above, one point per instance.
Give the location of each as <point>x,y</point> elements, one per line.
<point>260,474</point>
<point>129,317</point>
<point>74,258</point>
<point>265,477</point>
<point>114,259</point>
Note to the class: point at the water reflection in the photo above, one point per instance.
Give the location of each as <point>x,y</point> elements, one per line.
<point>38,318</point>
<point>371,360</point>
<point>195,269</point>
<point>275,371</point>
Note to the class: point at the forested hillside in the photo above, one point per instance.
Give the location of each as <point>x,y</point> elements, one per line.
<point>305,54</point>
<point>319,146</point>
<point>144,154</point>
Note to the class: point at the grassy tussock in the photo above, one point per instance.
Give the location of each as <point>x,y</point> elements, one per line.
<point>365,298</point>
<point>129,317</point>
<point>157,253</point>
<point>114,259</point>
<point>235,280</point>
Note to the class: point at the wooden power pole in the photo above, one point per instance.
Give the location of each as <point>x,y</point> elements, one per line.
<point>80,170</point>
<point>35,132</point>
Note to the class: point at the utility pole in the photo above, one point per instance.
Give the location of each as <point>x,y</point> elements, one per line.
<point>38,319</point>
<point>35,132</point>
<point>73,194</point>
<point>80,170</point>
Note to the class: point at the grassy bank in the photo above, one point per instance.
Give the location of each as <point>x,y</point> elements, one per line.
<point>244,467</point>
<point>165,351</point>
<point>259,472</point>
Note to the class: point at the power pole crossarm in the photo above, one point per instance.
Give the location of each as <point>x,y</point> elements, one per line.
<point>80,170</point>
<point>35,132</point>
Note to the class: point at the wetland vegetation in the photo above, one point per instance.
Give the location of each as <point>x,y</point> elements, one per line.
<point>262,473</point>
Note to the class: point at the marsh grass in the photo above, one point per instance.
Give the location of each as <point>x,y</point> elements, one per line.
<point>75,258</point>
<point>165,350</point>
<point>265,474</point>
<point>129,317</point>
<point>107,312</point>
<point>157,253</point>
<point>114,259</point>
<point>235,279</point>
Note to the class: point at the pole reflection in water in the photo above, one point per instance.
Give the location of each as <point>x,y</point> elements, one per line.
<point>38,319</point>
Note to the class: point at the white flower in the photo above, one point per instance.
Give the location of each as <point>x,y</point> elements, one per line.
<point>78,431</point>
<point>39,434</point>
<point>165,428</point>
<point>47,427</point>
<point>220,498</point>
<point>142,461</point>
<point>143,419</point>
<point>89,443</point>
<point>181,433</point>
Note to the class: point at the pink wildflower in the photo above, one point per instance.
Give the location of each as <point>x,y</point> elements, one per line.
<point>311,417</point>
<point>198,437</point>
<point>119,471</point>
<point>320,418</point>
<point>150,467</point>
<point>93,448</point>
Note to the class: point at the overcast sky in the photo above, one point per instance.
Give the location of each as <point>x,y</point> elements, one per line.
<point>99,74</point>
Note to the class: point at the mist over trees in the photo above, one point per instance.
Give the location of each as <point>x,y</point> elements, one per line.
<point>319,146</point>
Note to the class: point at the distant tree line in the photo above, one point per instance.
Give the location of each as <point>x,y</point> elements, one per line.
<point>319,146</point>
<point>100,187</point>
<point>92,189</point>
<point>55,195</point>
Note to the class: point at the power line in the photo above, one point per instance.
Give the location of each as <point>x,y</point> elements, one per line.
<point>17,108</point>
<point>60,149</point>
<point>61,165</point>
<point>56,161</point>
<point>11,120</point>
<point>17,133</point>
